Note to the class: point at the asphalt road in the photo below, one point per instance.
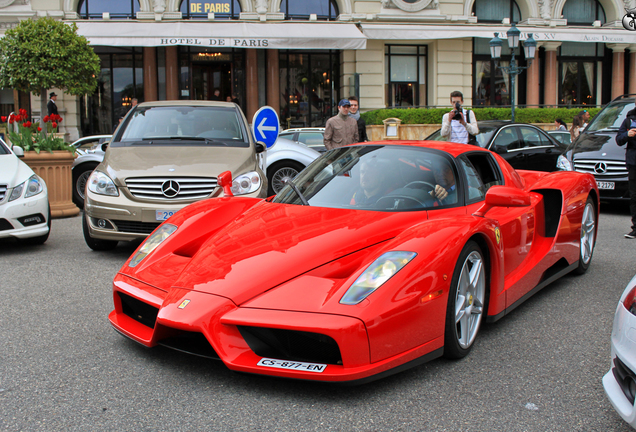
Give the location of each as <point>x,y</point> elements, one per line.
<point>62,367</point>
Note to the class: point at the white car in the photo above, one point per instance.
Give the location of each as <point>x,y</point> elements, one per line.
<point>284,160</point>
<point>620,382</point>
<point>24,201</point>
<point>86,161</point>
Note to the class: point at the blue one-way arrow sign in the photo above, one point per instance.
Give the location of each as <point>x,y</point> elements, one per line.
<point>265,125</point>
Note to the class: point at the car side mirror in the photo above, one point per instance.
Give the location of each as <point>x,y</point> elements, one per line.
<point>225,181</point>
<point>18,151</point>
<point>504,196</point>
<point>260,147</point>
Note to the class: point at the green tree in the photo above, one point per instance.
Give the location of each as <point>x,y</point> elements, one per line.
<point>40,54</point>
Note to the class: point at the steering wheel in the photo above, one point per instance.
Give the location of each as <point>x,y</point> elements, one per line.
<point>419,182</point>
<point>391,202</point>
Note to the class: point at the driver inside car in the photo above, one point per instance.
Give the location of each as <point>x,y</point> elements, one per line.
<point>373,183</point>
<point>445,188</point>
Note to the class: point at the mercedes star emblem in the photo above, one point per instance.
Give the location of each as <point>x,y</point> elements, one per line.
<point>170,188</point>
<point>600,168</point>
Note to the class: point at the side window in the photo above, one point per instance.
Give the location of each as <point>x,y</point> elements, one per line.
<point>532,137</point>
<point>506,140</point>
<point>486,169</point>
<point>475,190</point>
<point>311,138</point>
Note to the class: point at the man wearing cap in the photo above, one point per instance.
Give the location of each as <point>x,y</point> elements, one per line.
<point>341,129</point>
<point>51,106</point>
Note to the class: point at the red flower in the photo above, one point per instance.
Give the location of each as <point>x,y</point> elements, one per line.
<point>24,124</point>
<point>18,118</point>
<point>22,112</point>
<point>28,124</point>
<point>59,119</point>
<point>46,119</point>
<point>39,129</point>
<point>4,119</point>
<point>11,120</point>
<point>54,125</point>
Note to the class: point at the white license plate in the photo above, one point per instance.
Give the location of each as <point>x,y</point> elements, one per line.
<point>605,185</point>
<point>164,214</point>
<point>285,364</point>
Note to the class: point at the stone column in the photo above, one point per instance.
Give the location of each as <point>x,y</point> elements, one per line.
<point>618,68</point>
<point>251,78</point>
<point>550,88</point>
<point>150,74</point>
<point>532,83</point>
<point>172,73</point>
<point>273,80</point>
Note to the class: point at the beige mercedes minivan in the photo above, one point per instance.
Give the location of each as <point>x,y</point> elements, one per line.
<point>164,156</point>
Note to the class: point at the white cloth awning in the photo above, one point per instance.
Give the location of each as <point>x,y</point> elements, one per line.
<point>280,35</point>
<point>460,31</point>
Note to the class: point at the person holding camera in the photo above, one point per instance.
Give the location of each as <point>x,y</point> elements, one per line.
<point>459,124</point>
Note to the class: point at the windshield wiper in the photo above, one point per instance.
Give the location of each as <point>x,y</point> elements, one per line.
<point>185,138</point>
<point>298,192</point>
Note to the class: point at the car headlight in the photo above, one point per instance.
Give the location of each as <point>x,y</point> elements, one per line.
<point>380,271</point>
<point>34,186</point>
<point>16,192</point>
<point>151,243</point>
<point>101,184</point>
<point>564,164</point>
<point>246,183</point>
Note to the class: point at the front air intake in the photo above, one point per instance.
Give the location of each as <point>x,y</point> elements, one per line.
<point>139,311</point>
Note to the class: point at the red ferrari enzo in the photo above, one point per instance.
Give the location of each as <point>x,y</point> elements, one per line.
<point>376,258</point>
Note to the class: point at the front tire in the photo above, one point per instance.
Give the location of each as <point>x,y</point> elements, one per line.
<point>93,243</point>
<point>588,236</point>
<point>80,178</point>
<point>278,173</point>
<point>466,302</point>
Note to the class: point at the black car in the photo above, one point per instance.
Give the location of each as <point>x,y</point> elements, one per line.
<point>524,146</point>
<point>595,150</point>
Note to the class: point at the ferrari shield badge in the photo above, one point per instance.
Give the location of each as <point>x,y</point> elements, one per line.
<point>497,235</point>
<point>185,302</point>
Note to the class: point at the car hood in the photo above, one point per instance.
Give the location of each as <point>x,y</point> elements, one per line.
<point>13,171</point>
<point>597,145</point>
<point>274,243</point>
<point>121,163</point>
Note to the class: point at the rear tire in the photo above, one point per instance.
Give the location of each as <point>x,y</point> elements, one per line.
<point>588,236</point>
<point>80,179</point>
<point>466,302</point>
<point>279,172</point>
<point>96,244</point>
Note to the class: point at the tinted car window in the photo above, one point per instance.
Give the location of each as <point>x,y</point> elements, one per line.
<point>476,190</point>
<point>289,136</point>
<point>485,135</point>
<point>533,137</point>
<point>178,123</point>
<point>506,140</point>
<point>311,139</point>
<point>3,148</point>
<point>611,117</point>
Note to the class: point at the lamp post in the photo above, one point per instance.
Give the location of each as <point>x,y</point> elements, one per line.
<point>529,47</point>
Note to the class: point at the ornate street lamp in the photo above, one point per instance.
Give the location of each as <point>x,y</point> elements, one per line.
<point>529,47</point>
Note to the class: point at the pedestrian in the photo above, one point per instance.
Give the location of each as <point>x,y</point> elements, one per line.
<point>459,124</point>
<point>51,107</point>
<point>575,130</point>
<point>341,129</point>
<point>134,102</point>
<point>560,125</point>
<point>627,135</point>
<point>217,95</point>
<point>118,123</point>
<point>362,125</point>
<point>585,117</point>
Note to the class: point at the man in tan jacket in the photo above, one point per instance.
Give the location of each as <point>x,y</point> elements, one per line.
<point>341,129</point>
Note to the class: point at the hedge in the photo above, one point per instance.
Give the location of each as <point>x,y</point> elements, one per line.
<point>434,115</point>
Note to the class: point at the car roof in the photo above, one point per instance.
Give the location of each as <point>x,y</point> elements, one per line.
<point>188,103</point>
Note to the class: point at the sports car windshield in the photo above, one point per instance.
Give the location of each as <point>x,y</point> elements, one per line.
<point>384,178</point>
<point>184,125</point>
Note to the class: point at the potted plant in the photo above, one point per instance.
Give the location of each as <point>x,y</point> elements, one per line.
<point>47,155</point>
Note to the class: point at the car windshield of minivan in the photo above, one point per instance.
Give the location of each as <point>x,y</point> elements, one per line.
<point>611,117</point>
<point>184,125</point>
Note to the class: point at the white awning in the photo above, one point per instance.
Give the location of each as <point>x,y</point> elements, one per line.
<point>460,31</point>
<point>280,35</point>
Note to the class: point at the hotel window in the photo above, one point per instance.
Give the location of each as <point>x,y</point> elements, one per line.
<point>583,12</point>
<point>222,9</point>
<point>577,72</point>
<point>117,9</point>
<point>406,75</point>
<point>326,10</point>
<point>495,10</point>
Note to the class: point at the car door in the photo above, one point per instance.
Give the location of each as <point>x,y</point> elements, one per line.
<point>538,150</point>
<point>508,144</point>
